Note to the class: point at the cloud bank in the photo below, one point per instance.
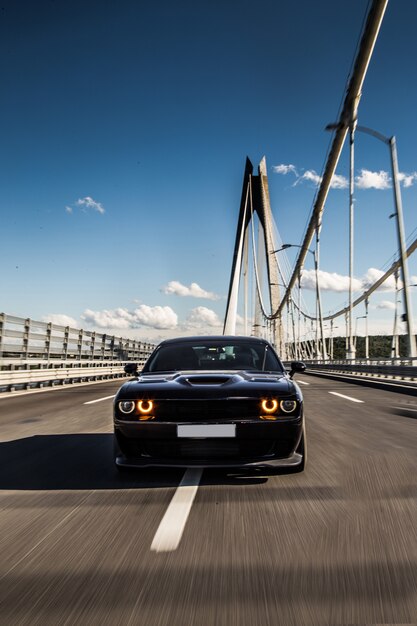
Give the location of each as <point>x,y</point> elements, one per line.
<point>60,319</point>
<point>331,281</point>
<point>202,317</point>
<point>366,179</point>
<point>160,317</point>
<point>194,291</point>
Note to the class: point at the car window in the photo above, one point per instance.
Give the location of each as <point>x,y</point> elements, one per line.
<point>241,355</point>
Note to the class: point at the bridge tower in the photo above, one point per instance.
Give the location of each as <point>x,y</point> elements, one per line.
<point>255,200</point>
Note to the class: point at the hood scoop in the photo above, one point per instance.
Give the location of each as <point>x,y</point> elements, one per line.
<point>264,379</point>
<point>208,379</point>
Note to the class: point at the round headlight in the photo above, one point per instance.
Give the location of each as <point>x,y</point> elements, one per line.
<point>269,406</point>
<point>288,406</point>
<point>145,406</point>
<point>126,406</point>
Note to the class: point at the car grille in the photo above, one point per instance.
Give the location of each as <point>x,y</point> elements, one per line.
<point>206,410</point>
<point>207,449</point>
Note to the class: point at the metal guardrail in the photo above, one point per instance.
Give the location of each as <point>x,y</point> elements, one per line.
<point>36,354</point>
<point>26,339</point>
<point>387,368</point>
<point>62,374</point>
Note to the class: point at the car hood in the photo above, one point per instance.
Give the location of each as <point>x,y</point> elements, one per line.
<point>209,384</point>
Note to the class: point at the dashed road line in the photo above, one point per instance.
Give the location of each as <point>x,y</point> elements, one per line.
<point>171,528</point>
<point>345,397</point>
<point>99,399</point>
<point>302,382</point>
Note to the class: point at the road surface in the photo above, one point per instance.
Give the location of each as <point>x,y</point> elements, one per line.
<point>334,545</point>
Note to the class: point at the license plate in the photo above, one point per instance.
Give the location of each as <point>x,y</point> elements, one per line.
<point>206,430</point>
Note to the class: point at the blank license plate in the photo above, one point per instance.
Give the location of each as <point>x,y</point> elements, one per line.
<point>206,430</point>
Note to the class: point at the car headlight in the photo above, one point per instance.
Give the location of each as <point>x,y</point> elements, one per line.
<point>288,406</point>
<point>269,406</point>
<point>145,408</point>
<point>126,406</point>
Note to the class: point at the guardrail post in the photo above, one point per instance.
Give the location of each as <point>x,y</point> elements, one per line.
<point>93,345</point>
<point>26,334</point>
<point>66,341</point>
<point>80,344</point>
<point>47,350</point>
<point>2,323</point>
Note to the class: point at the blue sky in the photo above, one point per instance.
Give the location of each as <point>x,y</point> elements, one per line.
<point>125,128</point>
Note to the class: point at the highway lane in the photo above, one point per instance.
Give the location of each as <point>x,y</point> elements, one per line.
<point>334,545</point>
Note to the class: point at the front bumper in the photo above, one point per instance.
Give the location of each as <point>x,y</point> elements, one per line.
<point>257,444</point>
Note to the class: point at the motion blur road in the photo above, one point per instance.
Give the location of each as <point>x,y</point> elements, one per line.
<point>336,544</point>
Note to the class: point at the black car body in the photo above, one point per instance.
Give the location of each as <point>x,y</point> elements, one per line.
<point>211,402</point>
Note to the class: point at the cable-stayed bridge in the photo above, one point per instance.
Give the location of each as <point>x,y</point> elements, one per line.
<point>333,545</point>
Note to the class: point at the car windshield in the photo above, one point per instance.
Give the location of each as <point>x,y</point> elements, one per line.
<point>214,355</point>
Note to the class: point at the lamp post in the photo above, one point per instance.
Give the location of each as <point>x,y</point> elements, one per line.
<point>332,327</point>
<point>319,316</point>
<point>366,330</point>
<point>391,143</point>
<point>358,317</point>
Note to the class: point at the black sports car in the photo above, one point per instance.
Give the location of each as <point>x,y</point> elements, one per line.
<point>211,402</point>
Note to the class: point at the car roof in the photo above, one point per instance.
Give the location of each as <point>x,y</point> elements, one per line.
<point>216,338</point>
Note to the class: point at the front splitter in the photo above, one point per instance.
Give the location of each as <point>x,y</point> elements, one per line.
<point>292,461</point>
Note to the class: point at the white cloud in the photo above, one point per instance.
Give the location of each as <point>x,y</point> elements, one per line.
<point>89,203</point>
<point>338,282</point>
<point>365,180</point>
<point>152,317</point>
<point>69,209</point>
<point>194,291</point>
<point>338,181</point>
<point>373,274</point>
<point>285,169</point>
<point>60,319</point>
<point>407,180</point>
<point>373,180</point>
<point>328,281</point>
<point>310,176</point>
<point>202,317</point>
<point>385,304</point>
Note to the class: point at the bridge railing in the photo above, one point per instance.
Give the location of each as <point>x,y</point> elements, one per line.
<point>34,354</point>
<point>386,368</point>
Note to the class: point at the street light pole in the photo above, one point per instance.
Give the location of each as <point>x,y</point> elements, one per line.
<point>366,330</point>
<point>391,143</point>
<point>318,294</point>
<point>351,351</point>
<point>401,247</point>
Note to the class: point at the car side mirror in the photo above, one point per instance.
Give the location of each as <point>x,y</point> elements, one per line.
<point>297,367</point>
<point>131,369</point>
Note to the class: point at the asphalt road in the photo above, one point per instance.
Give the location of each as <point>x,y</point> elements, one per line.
<point>334,545</point>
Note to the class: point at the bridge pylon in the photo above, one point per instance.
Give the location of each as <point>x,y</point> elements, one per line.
<point>255,201</point>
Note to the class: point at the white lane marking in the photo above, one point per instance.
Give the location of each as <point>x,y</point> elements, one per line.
<point>404,408</point>
<point>301,382</point>
<point>99,399</point>
<point>346,397</point>
<point>169,533</point>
